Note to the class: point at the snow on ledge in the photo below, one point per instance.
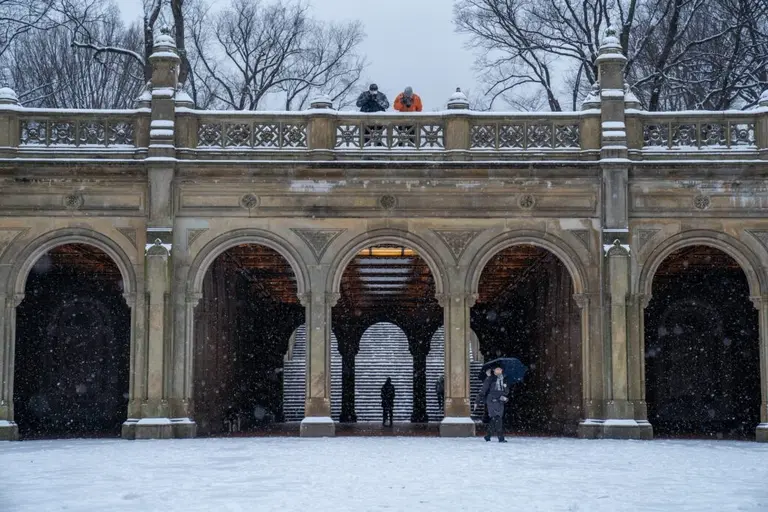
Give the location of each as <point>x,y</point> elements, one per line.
<point>762,426</point>
<point>6,423</point>
<point>317,420</point>
<point>458,420</point>
<point>621,423</point>
<point>182,421</point>
<point>154,421</point>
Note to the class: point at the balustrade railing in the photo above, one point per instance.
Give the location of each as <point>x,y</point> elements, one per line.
<point>716,131</point>
<point>525,134</point>
<point>252,131</point>
<point>73,128</point>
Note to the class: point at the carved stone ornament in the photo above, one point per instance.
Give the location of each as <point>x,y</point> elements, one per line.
<point>74,201</point>
<point>249,201</point>
<point>318,240</point>
<point>8,236</point>
<point>388,202</point>
<point>582,235</point>
<point>194,234</point>
<point>701,202</point>
<point>128,233</point>
<point>761,236</point>
<point>526,201</point>
<point>644,235</point>
<point>457,240</point>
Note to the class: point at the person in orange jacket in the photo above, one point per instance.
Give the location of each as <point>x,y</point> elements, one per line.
<point>407,101</point>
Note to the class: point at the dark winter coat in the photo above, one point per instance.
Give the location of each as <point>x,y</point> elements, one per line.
<point>492,396</point>
<point>369,102</point>
<point>388,395</point>
<point>440,386</point>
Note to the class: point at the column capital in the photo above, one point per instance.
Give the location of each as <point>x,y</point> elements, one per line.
<point>193,298</point>
<point>445,299</point>
<point>759,300</point>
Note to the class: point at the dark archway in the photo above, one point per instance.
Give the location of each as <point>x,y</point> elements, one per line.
<point>243,325</point>
<point>525,309</point>
<point>387,294</point>
<point>72,346</point>
<point>702,347</point>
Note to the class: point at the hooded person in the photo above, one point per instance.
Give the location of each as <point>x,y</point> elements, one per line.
<point>388,401</point>
<point>495,394</point>
<point>407,101</point>
<point>372,100</point>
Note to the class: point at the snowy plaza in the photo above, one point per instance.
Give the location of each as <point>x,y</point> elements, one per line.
<point>372,474</point>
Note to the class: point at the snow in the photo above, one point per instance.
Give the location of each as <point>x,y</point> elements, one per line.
<point>457,420</point>
<point>163,92</point>
<point>154,421</point>
<point>386,473</point>
<point>6,423</point>
<point>161,133</point>
<point>319,420</point>
<point>612,93</point>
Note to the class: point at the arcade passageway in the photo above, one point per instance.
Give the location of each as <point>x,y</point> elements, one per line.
<point>243,324</point>
<point>525,309</point>
<point>72,346</point>
<point>701,347</point>
<point>384,324</point>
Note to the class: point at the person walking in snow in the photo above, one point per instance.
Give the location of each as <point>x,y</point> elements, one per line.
<point>495,394</point>
<point>407,101</point>
<point>388,401</point>
<point>372,100</point>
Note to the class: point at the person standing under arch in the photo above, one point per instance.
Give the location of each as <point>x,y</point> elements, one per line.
<point>388,401</point>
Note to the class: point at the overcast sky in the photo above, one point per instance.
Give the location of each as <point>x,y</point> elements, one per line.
<point>409,42</point>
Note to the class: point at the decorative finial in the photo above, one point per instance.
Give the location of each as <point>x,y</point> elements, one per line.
<point>158,242</point>
<point>458,100</point>
<point>165,30</point>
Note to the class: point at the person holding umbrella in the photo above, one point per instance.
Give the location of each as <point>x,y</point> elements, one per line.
<point>495,394</point>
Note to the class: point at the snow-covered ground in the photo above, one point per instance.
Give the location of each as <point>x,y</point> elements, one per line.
<point>371,474</point>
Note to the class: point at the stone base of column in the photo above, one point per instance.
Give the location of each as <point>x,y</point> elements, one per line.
<point>453,426</point>
<point>317,426</point>
<point>615,429</point>
<point>761,433</point>
<point>9,431</point>
<point>159,428</point>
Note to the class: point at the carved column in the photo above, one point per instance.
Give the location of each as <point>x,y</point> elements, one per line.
<point>636,355</point>
<point>154,422</point>
<point>761,303</point>
<point>457,421</point>
<point>317,421</point>
<point>419,344</point>
<point>349,346</point>
<point>9,431</point>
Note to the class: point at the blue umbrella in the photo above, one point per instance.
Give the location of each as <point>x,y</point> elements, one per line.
<point>514,370</point>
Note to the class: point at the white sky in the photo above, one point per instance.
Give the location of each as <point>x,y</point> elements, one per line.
<point>409,42</point>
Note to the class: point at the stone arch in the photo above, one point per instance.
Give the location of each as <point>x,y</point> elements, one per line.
<point>721,241</point>
<point>41,245</point>
<point>387,236</point>
<point>546,241</point>
<point>219,245</point>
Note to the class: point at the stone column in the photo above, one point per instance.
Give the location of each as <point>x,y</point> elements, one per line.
<point>419,347</point>
<point>321,129</point>
<point>636,355</point>
<point>317,411</point>
<point>349,346</point>
<point>154,421</point>
<point>457,421</point>
<point>162,152</point>
<point>9,122</point>
<point>458,138</point>
<point>9,431</point>
<point>761,432</point>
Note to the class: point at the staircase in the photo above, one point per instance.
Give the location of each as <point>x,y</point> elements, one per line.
<point>383,353</point>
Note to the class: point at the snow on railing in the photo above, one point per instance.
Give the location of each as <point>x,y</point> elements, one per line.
<point>77,128</point>
<point>698,130</point>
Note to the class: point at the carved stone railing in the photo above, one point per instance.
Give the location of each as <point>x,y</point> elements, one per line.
<point>694,131</point>
<point>390,131</point>
<point>525,132</point>
<point>77,129</point>
<point>251,130</point>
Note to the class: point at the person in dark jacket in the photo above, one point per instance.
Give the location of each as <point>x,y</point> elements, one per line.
<point>495,394</point>
<point>388,401</point>
<point>372,100</point>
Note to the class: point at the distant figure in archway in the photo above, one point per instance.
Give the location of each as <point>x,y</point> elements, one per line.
<point>495,394</point>
<point>388,401</point>
<point>440,391</point>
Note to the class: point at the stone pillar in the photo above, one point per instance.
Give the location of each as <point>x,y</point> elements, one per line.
<point>349,346</point>
<point>9,122</point>
<point>636,356</point>
<point>761,432</point>
<point>161,152</point>
<point>457,421</point>
<point>153,421</point>
<point>317,411</point>
<point>321,129</point>
<point>458,138</point>
<point>9,431</point>
<point>419,345</point>
<point>761,125</point>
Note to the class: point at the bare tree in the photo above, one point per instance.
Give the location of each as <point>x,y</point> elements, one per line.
<point>250,50</point>
<point>47,73</point>
<point>681,53</point>
<point>20,17</point>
